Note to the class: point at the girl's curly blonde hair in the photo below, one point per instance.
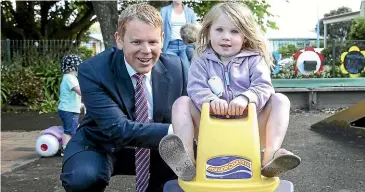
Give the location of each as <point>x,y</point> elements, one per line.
<point>241,16</point>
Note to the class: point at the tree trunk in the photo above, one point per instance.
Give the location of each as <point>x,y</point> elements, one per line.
<point>107,15</point>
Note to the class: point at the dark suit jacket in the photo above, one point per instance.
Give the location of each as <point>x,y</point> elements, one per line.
<point>108,95</point>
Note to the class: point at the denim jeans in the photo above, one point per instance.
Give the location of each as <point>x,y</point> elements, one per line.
<point>178,48</point>
<point>70,121</point>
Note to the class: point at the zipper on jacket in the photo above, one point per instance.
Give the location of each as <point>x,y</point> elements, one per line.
<point>230,93</point>
<point>227,82</point>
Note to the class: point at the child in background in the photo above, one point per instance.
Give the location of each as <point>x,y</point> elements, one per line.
<point>189,34</point>
<point>70,97</point>
<point>232,69</point>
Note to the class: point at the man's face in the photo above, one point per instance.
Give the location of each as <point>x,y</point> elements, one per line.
<point>141,44</point>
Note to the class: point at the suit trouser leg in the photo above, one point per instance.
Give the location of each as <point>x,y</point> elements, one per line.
<point>86,171</point>
<point>160,173</point>
<point>91,171</point>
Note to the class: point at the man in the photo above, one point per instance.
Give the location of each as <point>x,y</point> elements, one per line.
<point>128,92</point>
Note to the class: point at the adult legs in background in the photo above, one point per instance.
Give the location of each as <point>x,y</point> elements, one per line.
<point>178,48</point>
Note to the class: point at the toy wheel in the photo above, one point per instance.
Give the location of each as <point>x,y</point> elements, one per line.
<point>47,145</point>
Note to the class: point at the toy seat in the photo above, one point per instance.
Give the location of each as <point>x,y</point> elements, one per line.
<point>228,156</point>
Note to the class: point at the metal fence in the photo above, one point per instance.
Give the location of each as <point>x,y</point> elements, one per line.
<point>27,48</point>
<point>275,44</point>
<point>57,48</point>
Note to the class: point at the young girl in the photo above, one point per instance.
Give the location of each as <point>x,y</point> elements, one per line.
<point>231,70</point>
<point>70,97</point>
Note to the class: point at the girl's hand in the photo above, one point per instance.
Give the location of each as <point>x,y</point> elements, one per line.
<point>219,107</point>
<point>237,106</point>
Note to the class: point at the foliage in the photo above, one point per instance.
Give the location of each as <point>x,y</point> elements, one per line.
<point>84,52</point>
<point>321,44</point>
<point>357,31</point>
<point>334,50</point>
<point>287,50</point>
<point>46,19</point>
<point>25,87</point>
<point>337,31</point>
<point>259,8</point>
<point>35,86</point>
<point>5,91</point>
<point>49,71</point>
<point>48,105</point>
<point>287,72</point>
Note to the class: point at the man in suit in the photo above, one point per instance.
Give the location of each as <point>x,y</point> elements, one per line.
<point>128,92</point>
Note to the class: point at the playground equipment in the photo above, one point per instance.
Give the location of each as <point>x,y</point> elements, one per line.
<point>229,158</point>
<point>349,122</point>
<point>353,62</point>
<point>308,61</point>
<point>50,141</point>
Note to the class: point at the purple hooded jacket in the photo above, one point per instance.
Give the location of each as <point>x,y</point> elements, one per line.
<point>246,74</point>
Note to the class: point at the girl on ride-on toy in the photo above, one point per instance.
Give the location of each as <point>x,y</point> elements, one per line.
<point>232,68</point>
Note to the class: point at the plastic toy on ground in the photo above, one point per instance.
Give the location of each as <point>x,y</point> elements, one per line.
<point>50,141</point>
<point>229,158</point>
<point>348,122</point>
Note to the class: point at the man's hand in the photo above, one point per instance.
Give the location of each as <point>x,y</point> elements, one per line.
<point>219,107</point>
<point>237,106</point>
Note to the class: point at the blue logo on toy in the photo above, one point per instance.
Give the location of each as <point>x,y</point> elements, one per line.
<point>228,167</point>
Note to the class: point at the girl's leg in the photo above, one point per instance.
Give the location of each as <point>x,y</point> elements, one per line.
<point>273,121</point>
<point>185,122</point>
<point>177,149</point>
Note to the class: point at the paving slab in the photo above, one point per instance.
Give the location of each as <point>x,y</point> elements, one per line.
<point>17,149</point>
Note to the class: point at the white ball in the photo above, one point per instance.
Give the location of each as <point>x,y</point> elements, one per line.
<point>47,145</point>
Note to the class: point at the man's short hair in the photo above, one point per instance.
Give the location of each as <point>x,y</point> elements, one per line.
<point>189,33</point>
<point>141,11</point>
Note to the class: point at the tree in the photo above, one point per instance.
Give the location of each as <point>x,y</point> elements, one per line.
<point>357,31</point>
<point>105,10</point>
<point>287,50</point>
<point>41,20</point>
<point>107,15</point>
<point>337,31</point>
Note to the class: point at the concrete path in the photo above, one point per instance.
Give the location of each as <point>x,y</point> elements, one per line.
<point>17,149</point>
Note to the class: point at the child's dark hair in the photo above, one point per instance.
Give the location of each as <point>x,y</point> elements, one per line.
<point>70,63</point>
<point>189,33</point>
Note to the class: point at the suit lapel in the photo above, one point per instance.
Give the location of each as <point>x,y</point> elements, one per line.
<point>160,89</point>
<point>123,81</point>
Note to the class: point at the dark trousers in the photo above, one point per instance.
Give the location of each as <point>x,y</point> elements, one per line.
<point>90,170</point>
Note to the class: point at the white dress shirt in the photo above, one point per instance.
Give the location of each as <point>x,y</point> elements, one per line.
<point>147,85</point>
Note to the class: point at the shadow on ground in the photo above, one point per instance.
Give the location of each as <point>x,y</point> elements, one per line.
<point>329,164</point>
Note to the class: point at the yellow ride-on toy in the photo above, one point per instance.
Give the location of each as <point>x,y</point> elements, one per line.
<point>229,158</point>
